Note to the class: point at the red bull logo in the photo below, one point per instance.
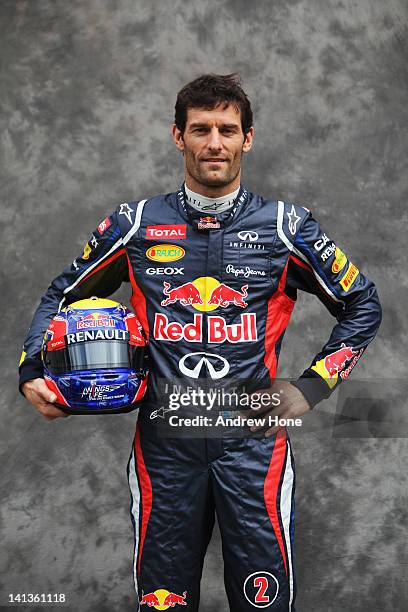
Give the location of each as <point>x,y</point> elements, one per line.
<point>337,360</point>
<point>331,365</point>
<point>208,219</point>
<point>218,330</point>
<point>150,599</point>
<point>205,293</point>
<point>208,222</point>
<point>186,294</point>
<point>95,319</point>
<point>224,295</point>
<point>162,599</point>
<point>173,599</point>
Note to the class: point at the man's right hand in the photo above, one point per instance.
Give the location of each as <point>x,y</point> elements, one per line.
<point>42,398</point>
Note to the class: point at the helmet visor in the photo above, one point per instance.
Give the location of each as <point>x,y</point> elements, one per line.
<point>94,355</point>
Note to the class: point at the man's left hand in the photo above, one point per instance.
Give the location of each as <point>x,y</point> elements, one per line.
<point>292,405</point>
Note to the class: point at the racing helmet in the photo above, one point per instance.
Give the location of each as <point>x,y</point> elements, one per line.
<point>95,358</point>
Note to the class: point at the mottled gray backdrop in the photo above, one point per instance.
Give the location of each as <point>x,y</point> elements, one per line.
<point>87,91</point>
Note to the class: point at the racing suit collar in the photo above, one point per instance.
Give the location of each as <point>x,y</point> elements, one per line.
<point>194,217</point>
<point>210,206</point>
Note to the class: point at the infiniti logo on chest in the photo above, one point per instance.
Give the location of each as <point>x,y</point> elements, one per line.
<point>248,236</point>
<point>247,240</point>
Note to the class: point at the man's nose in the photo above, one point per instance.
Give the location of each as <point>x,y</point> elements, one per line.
<point>214,139</point>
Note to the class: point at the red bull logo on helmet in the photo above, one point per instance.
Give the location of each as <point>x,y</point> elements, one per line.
<point>162,599</point>
<point>95,319</point>
<point>333,364</point>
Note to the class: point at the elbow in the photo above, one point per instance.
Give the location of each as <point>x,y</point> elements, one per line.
<point>377,308</point>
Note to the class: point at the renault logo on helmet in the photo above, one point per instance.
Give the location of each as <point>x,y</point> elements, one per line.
<point>216,366</point>
<point>248,236</point>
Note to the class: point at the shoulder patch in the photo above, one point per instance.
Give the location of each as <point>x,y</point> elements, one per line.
<point>290,218</point>
<point>127,211</point>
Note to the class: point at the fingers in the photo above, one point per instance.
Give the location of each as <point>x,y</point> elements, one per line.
<point>42,398</point>
<point>49,411</point>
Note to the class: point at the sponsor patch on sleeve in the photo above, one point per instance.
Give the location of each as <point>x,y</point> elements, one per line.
<point>87,251</point>
<point>333,364</point>
<point>103,226</point>
<point>339,262</point>
<point>350,276</point>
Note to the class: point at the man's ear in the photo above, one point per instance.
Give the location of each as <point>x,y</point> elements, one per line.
<point>178,137</point>
<point>247,146</point>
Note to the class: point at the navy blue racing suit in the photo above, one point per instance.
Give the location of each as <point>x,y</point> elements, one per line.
<point>215,295</point>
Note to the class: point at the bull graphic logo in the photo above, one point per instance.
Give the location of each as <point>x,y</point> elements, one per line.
<point>335,362</point>
<point>162,599</point>
<point>173,599</point>
<point>150,599</point>
<point>224,295</point>
<point>205,293</point>
<point>332,365</point>
<point>186,294</point>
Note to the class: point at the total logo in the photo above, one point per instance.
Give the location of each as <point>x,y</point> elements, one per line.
<point>161,599</point>
<point>171,232</point>
<point>261,589</point>
<point>333,364</point>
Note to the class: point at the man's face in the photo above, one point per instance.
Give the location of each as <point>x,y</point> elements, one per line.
<point>212,144</point>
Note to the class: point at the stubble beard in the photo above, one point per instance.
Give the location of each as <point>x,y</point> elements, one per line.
<point>204,178</point>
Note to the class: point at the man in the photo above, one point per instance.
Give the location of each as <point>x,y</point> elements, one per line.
<point>214,272</point>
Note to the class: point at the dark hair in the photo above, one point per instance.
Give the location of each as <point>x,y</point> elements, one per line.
<point>210,90</point>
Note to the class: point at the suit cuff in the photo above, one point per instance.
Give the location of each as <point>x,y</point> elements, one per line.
<point>30,368</point>
<point>313,388</point>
